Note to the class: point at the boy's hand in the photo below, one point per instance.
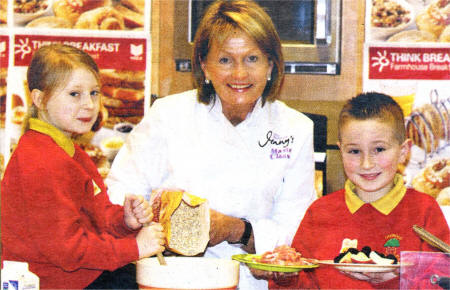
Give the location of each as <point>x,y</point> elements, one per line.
<point>137,211</point>
<point>373,278</point>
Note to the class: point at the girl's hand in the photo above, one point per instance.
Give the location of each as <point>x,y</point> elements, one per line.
<point>150,240</point>
<point>137,211</point>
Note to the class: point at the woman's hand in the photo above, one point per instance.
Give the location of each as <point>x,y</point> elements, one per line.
<point>223,228</point>
<point>282,279</point>
<point>137,211</point>
<point>150,240</point>
<point>227,228</point>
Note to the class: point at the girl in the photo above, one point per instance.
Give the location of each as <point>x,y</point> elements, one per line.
<point>56,214</point>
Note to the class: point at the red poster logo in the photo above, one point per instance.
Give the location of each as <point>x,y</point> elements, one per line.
<point>108,53</point>
<point>403,63</point>
<point>4,45</point>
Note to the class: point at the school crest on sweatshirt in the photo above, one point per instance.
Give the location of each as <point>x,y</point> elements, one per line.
<point>392,245</point>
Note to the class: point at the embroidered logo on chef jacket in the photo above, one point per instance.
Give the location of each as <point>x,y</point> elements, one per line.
<point>97,189</point>
<point>280,145</point>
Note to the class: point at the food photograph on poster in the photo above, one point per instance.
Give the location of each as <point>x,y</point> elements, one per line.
<point>408,20</point>
<point>83,14</point>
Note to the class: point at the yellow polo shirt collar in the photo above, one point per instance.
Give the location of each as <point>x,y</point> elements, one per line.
<point>62,140</point>
<point>385,205</point>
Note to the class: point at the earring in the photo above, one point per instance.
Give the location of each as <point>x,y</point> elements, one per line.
<point>207,81</point>
<point>269,78</point>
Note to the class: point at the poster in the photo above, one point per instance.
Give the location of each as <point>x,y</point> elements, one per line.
<point>407,56</point>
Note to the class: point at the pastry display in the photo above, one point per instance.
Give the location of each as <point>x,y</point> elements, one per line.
<point>102,18</point>
<point>427,125</point>
<point>434,178</point>
<point>123,95</point>
<point>349,253</point>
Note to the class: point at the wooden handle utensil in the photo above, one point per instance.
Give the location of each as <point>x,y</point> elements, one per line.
<point>159,256</point>
<point>431,239</point>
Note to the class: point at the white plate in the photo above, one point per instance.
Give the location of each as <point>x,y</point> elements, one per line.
<point>361,268</point>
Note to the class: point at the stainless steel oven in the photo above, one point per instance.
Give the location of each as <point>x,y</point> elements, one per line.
<point>310,31</point>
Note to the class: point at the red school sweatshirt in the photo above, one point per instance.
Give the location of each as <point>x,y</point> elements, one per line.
<point>329,221</point>
<point>56,215</point>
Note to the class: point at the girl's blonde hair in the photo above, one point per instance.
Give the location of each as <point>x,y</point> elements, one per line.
<point>51,67</point>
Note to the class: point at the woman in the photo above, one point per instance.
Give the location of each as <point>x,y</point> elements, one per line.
<point>229,140</point>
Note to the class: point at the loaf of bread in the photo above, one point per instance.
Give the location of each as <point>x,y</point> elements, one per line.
<point>185,219</point>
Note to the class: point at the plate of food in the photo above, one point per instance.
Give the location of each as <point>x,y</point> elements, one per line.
<point>361,268</point>
<point>281,259</point>
<point>389,17</point>
<point>366,260</point>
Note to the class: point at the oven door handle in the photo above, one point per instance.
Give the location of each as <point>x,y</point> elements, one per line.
<point>323,22</point>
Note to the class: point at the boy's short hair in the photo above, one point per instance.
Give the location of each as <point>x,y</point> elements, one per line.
<point>373,105</point>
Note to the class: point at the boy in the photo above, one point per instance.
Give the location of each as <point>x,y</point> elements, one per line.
<point>374,207</point>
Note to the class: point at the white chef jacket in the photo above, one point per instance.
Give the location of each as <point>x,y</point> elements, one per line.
<point>261,169</point>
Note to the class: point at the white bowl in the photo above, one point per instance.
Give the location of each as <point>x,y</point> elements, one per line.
<point>22,18</point>
<point>382,33</point>
<point>110,146</point>
<point>187,273</point>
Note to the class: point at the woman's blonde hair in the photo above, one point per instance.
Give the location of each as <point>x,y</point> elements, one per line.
<point>219,21</point>
<point>51,67</point>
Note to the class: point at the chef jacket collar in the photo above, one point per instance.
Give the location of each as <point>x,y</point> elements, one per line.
<point>216,109</point>
<point>62,140</point>
<point>385,204</point>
